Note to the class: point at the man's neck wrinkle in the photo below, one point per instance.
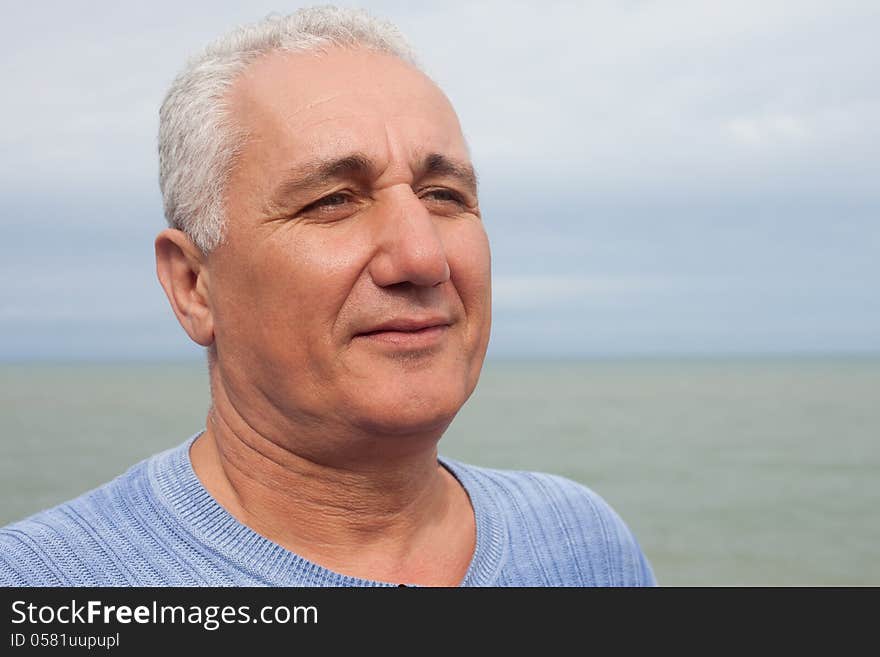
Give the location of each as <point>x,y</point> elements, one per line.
<point>296,502</point>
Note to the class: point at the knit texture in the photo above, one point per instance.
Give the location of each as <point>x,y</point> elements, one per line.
<point>156,525</point>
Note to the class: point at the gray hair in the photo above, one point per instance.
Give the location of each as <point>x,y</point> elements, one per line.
<point>198,141</point>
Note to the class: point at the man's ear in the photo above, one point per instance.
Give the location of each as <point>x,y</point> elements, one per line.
<point>180,265</point>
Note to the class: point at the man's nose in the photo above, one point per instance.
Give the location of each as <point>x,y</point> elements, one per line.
<point>409,246</point>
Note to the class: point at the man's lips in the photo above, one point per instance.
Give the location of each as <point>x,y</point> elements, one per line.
<point>407,325</point>
<point>407,333</point>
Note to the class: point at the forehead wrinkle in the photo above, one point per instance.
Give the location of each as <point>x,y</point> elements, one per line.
<point>316,103</point>
<point>358,110</point>
<point>410,164</point>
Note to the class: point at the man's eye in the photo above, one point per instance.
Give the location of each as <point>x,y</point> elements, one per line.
<point>330,201</point>
<point>444,195</point>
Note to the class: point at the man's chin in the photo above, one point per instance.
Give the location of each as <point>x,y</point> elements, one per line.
<point>410,392</point>
<point>429,416</point>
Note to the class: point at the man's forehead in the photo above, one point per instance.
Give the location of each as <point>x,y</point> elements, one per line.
<point>310,87</point>
<point>303,107</point>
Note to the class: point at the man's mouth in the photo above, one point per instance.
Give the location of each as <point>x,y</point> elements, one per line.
<point>407,332</point>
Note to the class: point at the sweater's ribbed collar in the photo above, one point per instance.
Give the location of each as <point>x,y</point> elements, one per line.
<point>179,489</point>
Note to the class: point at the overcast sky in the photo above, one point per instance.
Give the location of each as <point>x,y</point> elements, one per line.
<point>657,177</point>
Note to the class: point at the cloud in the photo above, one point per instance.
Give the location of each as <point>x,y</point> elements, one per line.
<point>532,292</point>
<point>616,95</point>
<point>632,155</point>
<point>761,131</point>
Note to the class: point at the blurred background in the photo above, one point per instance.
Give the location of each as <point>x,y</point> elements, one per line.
<point>683,204</point>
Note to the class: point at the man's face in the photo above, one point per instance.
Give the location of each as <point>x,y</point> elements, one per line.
<point>351,206</point>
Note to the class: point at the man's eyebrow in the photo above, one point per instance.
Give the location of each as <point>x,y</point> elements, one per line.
<point>315,175</point>
<point>436,164</point>
<point>318,174</point>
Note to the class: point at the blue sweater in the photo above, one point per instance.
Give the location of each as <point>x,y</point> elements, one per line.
<point>156,525</point>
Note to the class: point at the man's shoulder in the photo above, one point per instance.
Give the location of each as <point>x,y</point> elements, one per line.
<point>551,518</point>
<point>516,490</point>
<point>72,544</point>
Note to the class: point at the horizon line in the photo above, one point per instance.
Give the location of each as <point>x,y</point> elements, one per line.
<point>585,357</point>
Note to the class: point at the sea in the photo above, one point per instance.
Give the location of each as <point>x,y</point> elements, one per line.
<point>730,471</point>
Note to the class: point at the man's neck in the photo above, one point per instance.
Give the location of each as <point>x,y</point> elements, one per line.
<point>392,515</point>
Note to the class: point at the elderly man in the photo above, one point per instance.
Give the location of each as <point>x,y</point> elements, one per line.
<point>326,247</point>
